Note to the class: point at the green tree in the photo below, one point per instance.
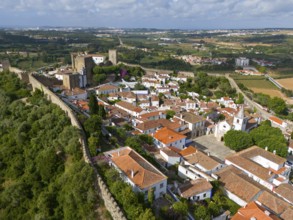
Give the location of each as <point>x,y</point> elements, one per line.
<point>100,78</point>
<point>93,105</point>
<point>170,114</point>
<point>266,123</point>
<point>201,212</point>
<point>181,208</point>
<point>214,209</point>
<point>93,142</point>
<point>93,124</point>
<point>151,196</point>
<point>240,99</point>
<point>237,140</point>
<point>278,105</point>
<point>147,215</point>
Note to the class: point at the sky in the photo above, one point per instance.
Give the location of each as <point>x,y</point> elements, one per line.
<point>181,14</point>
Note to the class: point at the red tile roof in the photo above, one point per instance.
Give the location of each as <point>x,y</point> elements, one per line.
<point>167,136</point>
<point>130,162</point>
<point>253,211</point>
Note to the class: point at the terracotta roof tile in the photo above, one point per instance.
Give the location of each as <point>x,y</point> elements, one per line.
<point>144,174</point>
<point>252,210</point>
<point>194,187</point>
<point>285,190</point>
<point>187,151</point>
<point>107,87</point>
<point>200,159</point>
<point>275,119</point>
<point>244,160</point>
<point>166,136</point>
<point>272,202</point>
<point>287,214</point>
<point>237,184</point>
<point>192,118</point>
<point>169,152</point>
<point>129,106</point>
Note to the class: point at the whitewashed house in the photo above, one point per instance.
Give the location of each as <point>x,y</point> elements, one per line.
<point>196,190</point>
<point>137,171</point>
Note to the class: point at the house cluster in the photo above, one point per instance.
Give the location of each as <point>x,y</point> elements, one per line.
<point>258,180</point>
<point>254,178</point>
<point>196,60</point>
<point>249,72</point>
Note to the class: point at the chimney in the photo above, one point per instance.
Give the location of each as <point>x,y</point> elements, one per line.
<point>274,152</point>
<point>267,213</point>
<point>132,174</point>
<point>209,154</point>
<point>118,153</point>
<point>270,172</point>
<point>266,148</point>
<point>181,116</point>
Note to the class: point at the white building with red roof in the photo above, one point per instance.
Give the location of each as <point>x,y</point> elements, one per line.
<point>107,89</point>
<point>277,122</point>
<point>166,137</point>
<point>137,171</point>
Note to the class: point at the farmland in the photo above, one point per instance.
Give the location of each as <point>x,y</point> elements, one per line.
<point>259,84</point>
<point>287,83</point>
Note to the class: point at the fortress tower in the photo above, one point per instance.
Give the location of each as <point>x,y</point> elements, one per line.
<point>113,56</point>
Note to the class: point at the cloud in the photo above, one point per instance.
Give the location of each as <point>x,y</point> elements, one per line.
<point>133,11</point>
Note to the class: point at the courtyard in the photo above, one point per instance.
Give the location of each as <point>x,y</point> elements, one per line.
<point>208,143</point>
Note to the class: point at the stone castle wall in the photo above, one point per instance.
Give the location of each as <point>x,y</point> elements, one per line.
<point>107,197</point>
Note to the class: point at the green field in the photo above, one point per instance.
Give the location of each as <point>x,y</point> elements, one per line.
<point>256,82</point>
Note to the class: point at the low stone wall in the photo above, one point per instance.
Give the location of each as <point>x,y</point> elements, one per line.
<point>109,201</point>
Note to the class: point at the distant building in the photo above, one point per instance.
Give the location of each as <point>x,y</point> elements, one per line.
<point>196,123</point>
<point>242,61</point>
<point>71,81</point>
<point>113,56</point>
<point>239,122</point>
<point>137,171</point>
<point>4,65</point>
<point>83,64</point>
<point>106,89</point>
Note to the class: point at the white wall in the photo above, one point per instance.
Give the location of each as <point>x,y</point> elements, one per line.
<point>186,173</point>
<point>201,196</point>
<point>266,163</point>
<point>169,159</point>
<point>235,198</point>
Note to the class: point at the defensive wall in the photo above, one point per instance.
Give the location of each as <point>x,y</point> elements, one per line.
<point>101,187</point>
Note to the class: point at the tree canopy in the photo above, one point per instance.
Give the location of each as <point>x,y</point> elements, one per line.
<point>41,160</point>
<point>237,140</point>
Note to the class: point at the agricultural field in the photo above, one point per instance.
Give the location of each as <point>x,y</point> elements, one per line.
<point>287,83</point>
<point>259,84</point>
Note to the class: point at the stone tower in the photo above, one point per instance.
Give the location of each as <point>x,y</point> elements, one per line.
<point>113,56</point>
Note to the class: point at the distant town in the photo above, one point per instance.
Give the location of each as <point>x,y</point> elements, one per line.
<point>204,144</point>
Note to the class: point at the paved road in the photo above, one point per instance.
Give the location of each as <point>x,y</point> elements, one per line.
<point>263,113</point>
<point>208,143</point>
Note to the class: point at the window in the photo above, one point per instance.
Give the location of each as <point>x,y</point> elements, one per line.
<point>161,185</point>
<point>204,195</point>
<point>186,172</point>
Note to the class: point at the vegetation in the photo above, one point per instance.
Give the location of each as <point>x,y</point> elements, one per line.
<point>263,136</point>
<point>41,160</point>
<point>213,207</point>
<point>132,203</point>
<point>207,85</point>
<point>237,140</point>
